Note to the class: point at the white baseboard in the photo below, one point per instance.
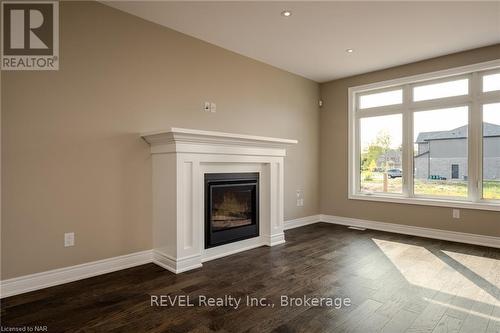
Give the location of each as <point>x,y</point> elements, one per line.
<point>58,276</point>
<point>302,221</point>
<point>415,231</point>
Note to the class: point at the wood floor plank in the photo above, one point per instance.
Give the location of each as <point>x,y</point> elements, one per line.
<point>494,323</point>
<point>353,318</point>
<point>400,322</point>
<point>448,324</point>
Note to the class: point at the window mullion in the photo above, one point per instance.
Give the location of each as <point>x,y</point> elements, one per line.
<point>475,153</point>
<point>407,142</point>
<point>357,156</point>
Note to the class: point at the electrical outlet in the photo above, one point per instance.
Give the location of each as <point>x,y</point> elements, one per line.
<point>206,107</point>
<point>209,107</point>
<point>69,239</point>
<point>456,213</point>
<point>300,198</point>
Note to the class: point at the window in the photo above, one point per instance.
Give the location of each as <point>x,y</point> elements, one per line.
<point>381,99</point>
<point>440,138</point>
<point>431,139</point>
<point>440,90</point>
<point>381,155</point>
<point>491,151</point>
<point>491,82</point>
<point>455,171</point>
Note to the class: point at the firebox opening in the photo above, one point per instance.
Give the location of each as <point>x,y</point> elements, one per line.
<point>231,207</point>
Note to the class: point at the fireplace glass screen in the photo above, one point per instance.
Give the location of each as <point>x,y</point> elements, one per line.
<point>231,207</point>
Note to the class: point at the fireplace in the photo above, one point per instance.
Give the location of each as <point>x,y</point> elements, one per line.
<point>183,237</point>
<point>231,207</point>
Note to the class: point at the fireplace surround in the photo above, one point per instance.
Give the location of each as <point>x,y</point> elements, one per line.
<point>181,159</point>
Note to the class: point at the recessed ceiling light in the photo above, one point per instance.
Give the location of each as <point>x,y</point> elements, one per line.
<point>349,50</point>
<point>286,13</point>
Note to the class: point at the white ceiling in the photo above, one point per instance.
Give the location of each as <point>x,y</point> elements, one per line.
<point>312,42</point>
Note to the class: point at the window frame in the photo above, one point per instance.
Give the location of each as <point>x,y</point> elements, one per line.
<point>474,100</point>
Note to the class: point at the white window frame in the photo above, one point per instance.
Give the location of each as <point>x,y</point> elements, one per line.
<point>474,100</point>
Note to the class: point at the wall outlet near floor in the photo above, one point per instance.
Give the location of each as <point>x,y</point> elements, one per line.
<point>456,213</point>
<point>69,239</point>
<point>300,198</point>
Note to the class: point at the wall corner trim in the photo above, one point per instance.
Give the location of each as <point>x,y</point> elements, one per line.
<point>447,235</point>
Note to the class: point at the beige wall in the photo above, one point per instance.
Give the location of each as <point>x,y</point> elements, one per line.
<point>333,155</point>
<point>72,159</point>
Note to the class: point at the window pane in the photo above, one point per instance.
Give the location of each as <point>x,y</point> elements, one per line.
<point>381,154</point>
<point>381,99</point>
<point>491,151</point>
<point>491,82</point>
<point>440,159</point>
<point>440,90</point>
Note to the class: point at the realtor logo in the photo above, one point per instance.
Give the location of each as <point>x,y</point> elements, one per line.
<point>30,35</point>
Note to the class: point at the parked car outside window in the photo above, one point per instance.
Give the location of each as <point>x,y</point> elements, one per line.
<point>394,173</point>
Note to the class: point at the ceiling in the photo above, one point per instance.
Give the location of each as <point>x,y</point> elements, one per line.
<point>312,42</point>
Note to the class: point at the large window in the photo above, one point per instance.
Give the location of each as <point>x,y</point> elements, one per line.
<point>431,139</point>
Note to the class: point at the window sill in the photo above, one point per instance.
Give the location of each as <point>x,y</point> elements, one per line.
<point>483,205</point>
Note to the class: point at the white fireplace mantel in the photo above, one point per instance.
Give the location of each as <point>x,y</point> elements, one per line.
<point>180,158</point>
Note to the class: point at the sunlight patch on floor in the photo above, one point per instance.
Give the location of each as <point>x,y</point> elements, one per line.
<point>461,309</point>
<point>478,265</point>
<point>449,273</point>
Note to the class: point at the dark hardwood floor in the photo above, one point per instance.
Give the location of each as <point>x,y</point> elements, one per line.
<point>395,283</point>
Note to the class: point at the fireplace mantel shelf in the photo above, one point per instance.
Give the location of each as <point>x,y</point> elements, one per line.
<point>183,135</point>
